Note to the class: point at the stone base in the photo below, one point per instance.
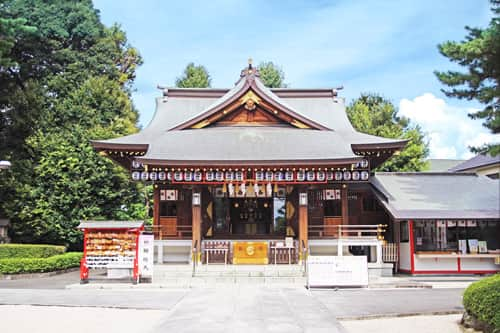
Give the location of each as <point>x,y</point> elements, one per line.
<point>376,270</point>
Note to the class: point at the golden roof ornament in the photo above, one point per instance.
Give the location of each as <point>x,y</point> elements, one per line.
<point>250,70</point>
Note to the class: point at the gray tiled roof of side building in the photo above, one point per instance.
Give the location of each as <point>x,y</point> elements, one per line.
<point>438,195</point>
<point>476,162</point>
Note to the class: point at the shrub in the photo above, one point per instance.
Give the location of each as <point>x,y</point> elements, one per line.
<point>36,265</point>
<point>29,250</point>
<point>482,301</point>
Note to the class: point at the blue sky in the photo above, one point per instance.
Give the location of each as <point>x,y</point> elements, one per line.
<point>388,47</point>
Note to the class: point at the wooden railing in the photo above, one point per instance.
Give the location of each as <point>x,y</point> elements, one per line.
<point>364,231</point>
<point>390,252</point>
<point>165,232</point>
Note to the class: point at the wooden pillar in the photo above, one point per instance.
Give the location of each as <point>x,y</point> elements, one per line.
<point>196,222</point>
<point>156,206</point>
<point>157,232</point>
<point>303,222</point>
<point>345,204</point>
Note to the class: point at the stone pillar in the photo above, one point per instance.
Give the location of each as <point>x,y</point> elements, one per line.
<point>303,222</point>
<point>196,222</point>
<point>379,253</point>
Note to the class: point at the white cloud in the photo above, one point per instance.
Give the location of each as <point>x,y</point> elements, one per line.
<point>450,131</point>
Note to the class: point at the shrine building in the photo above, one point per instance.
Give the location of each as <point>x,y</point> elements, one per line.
<point>259,171</point>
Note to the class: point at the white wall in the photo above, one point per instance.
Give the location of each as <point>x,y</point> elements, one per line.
<point>404,256</point>
<point>435,264</point>
<point>478,264</point>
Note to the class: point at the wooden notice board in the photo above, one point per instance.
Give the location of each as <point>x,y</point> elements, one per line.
<point>168,226</point>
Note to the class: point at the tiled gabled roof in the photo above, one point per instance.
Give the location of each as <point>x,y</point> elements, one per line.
<point>427,195</point>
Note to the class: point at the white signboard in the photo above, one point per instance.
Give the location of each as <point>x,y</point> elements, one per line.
<point>327,271</point>
<point>146,249</point>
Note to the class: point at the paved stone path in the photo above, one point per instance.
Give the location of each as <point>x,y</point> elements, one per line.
<point>250,309</point>
<point>246,308</point>
<point>221,308</point>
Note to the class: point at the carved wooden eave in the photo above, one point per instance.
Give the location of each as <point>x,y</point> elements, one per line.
<point>123,154</point>
<point>251,97</point>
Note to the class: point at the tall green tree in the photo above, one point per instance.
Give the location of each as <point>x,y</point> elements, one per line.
<point>68,81</point>
<point>272,75</point>
<point>479,54</point>
<point>194,77</point>
<point>375,115</point>
<point>10,29</point>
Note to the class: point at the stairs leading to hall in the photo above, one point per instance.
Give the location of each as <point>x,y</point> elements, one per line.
<point>213,275</point>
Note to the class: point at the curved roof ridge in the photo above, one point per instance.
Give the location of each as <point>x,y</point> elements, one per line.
<point>249,81</point>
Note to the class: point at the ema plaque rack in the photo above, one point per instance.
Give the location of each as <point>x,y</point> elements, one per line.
<point>111,245</point>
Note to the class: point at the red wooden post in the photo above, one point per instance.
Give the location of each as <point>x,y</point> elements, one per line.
<point>84,270</point>
<point>412,247</point>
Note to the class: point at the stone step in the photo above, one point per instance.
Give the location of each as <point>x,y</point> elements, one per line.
<point>201,273</point>
<point>207,281</point>
<point>237,270</point>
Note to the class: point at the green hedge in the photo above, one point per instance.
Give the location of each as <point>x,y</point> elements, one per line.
<point>482,300</point>
<point>37,265</point>
<point>30,250</point>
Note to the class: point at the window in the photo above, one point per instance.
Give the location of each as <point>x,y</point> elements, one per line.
<point>403,232</point>
<point>221,214</point>
<point>444,235</point>
<point>279,215</point>
<point>168,208</point>
<point>333,208</point>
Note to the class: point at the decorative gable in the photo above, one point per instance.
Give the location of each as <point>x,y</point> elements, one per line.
<point>250,103</point>
<point>249,110</point>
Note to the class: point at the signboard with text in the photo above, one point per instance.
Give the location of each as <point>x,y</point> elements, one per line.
<point>331,271</point>
<point>146,243</point>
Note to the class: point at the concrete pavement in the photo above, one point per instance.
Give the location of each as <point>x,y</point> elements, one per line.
<point>365,303</point>
<point>221,307</point>
<point>52,319</point>
<point>246,308</point>
<point>414,324</point>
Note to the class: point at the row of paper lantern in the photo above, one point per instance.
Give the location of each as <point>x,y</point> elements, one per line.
<point>260,176</point>
<point>363,164</point>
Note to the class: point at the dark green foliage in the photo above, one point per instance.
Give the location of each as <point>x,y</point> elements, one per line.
<point>67,81</point>
<point>482,300</point>
<point>375,115</point>
<point>39,265</point>
<point>30,250</point>
<point>10,29</point>
<point>194,77</point>
<point>272,75</point>
<point>479,54</point>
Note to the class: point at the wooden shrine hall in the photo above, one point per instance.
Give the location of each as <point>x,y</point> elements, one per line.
<point>243,174</point>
